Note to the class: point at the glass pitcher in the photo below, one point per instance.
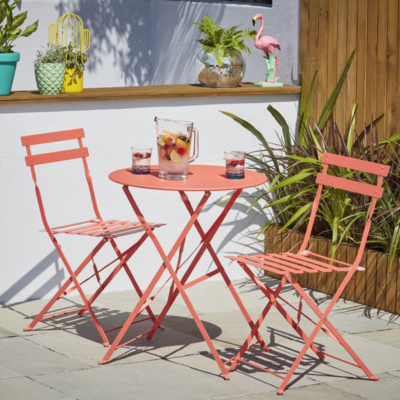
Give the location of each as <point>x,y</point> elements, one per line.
<point>174,142</point>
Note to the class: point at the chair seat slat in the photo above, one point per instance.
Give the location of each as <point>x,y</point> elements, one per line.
<point>98,228</point>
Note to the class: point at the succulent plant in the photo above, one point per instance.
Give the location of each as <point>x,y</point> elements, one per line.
<point>51,55</point>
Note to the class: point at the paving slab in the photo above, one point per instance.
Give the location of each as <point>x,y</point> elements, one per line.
<point>25,388</point>
<point>127,300</point>
<point>177,363</point>
<point>234,328</point>
<point>379,358</point>
<point>27,358</point>
<point>387,388</point>
<point>395,373</point>
<point>15,317</point>
<point>391,337</point>
<point>165,344</point>
<point>321,391</point>
<point>5,333</point>
<point>244,377</point>
<point>218,298</point>
<point>148,380</point>
<point>6,373</point>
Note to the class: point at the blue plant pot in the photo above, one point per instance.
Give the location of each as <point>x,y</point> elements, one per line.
<point>8,65</point>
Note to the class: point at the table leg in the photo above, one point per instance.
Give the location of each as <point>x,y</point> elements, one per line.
<point>222,271</point>
<point>205,240</point>
<point>160,271</point>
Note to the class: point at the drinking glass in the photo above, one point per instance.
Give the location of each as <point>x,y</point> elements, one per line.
<point>141,160</point>
<point>234,164</point>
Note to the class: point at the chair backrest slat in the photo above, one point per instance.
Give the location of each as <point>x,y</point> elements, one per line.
<point>52,137</point>
<point>63,155</point>
<point>355,164</point>
<point>350,186</point>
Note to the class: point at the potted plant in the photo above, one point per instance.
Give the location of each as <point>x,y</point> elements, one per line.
<point>75,61</point>
<point>220,62</point>
<point>291,166</point>
<point>50,70</point>
<point>9,32</point>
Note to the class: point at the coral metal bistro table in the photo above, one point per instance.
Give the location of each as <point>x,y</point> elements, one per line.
<point>202,178</point>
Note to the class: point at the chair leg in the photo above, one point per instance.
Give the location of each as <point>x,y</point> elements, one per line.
<point>273,299</point>
<point>82,294</point>
<point>65,286</point>
<point>323,320</point>
<point>249,338</point>
<point>130,275</point>
<point>123,260</point>
<point>333,330</point>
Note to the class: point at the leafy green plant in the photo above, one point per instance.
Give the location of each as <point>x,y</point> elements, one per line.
<point>223,42</point>
<point>291,166</point>
<point>76,61</point>
<point>10,25</point>
<point>51,55</point>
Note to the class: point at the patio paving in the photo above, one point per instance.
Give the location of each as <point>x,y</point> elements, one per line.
<point>59,359</point>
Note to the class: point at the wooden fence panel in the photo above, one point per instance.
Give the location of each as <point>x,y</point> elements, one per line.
<point>329,32</point>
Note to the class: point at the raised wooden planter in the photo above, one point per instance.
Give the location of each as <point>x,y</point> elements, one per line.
<point>377,287</point>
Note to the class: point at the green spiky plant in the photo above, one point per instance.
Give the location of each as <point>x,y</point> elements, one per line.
<point>291,166</point>
<point>10,25</point>
<point>222,42</point>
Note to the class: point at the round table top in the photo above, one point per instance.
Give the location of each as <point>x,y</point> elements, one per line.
<point>201,178</point>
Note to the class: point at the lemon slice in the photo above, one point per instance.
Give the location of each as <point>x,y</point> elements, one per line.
<point>160,141</point>
<point>167,133</point>
<point>175,157</point>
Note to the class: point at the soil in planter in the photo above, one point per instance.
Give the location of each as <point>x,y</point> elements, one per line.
<point>208,77</point>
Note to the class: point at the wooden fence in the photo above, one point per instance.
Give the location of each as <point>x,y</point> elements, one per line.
<point>329,31</point>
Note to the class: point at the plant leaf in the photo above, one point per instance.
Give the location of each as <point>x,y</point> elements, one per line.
<point>327,110</point>
<point>19,19</point>
<point>297,215</point>
<point>30,29</point>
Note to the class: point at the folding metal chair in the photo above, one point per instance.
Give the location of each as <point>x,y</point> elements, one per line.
<point>106,230</point>
<point>305,261</point>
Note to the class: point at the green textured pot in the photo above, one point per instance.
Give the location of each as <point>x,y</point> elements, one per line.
<point>49,77</point>
<point>8,65</point>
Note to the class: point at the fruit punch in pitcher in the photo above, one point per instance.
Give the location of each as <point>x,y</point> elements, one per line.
<point>175,139</point>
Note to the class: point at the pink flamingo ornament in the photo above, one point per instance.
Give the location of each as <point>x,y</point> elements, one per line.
<point>268,45</point>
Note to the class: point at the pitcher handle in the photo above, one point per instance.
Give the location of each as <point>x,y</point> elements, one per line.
<point>195,142</point>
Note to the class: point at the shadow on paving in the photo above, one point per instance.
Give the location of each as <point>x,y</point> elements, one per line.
<point>186,331</point>
<point>283,350</point>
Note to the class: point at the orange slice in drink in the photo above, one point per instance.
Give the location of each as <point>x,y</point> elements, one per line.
<point>181,143</point>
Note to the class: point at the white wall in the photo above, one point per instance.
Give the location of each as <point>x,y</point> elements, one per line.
<point>29,266</point>
<point>149,42</point>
